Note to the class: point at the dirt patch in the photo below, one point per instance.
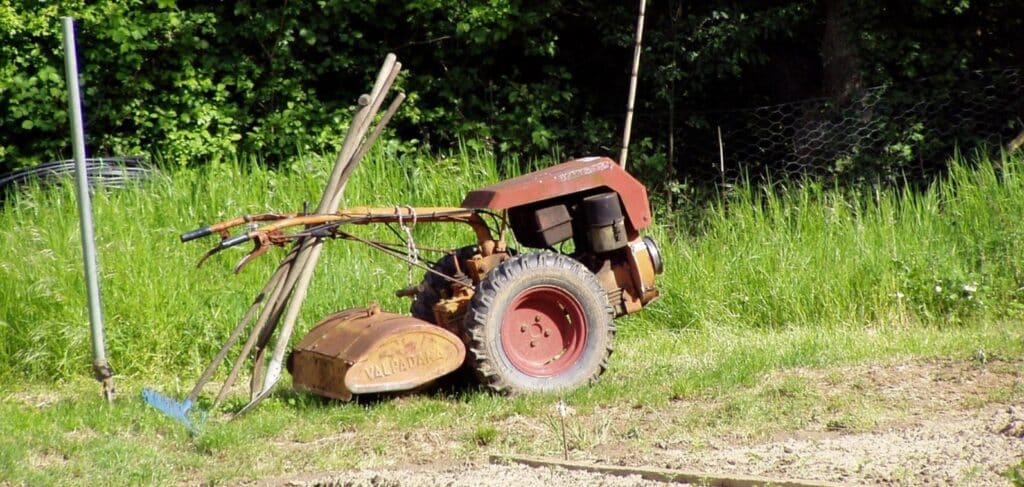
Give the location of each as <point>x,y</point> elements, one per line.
<point>931,423</point>
<point>955,448</point>
<point>468,475</point>
<point>35,400</point>
<point>1009,422</point>
<point>913,423</point>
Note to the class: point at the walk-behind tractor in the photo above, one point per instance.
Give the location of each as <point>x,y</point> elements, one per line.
<point>523,321</point>
<point>529,319</point>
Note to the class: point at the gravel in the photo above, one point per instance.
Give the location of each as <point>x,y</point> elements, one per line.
<point>467,475</point>
<point>940,424</point>
<point>964,448</point>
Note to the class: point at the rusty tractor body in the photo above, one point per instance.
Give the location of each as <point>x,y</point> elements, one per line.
<point>366,350</point>
<point>531,319</point>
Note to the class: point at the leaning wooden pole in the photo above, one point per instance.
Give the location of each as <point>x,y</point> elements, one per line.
<point>276,284</point>
<point>285,290</point>
<point>624,153</point>
<point>329,204</point>
<point>308,250</point>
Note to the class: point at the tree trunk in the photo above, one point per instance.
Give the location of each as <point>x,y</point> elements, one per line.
<point>839,56</point>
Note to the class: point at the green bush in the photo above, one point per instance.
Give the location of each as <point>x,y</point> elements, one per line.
<point>194,83</point>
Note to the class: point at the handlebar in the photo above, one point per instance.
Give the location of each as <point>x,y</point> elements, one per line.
<point>197,233</point>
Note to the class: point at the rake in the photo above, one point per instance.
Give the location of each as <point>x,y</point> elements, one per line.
<point>278,290</point>
<point>176,410</point>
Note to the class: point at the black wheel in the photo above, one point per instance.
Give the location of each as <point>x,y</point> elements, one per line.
<point>539,322</point>
<point>433,287</point>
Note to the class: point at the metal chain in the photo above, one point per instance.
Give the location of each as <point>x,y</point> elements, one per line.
<point>411,252</point>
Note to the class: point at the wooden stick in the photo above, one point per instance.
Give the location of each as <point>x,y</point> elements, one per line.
<point>273,316</point>
<point>721,156</point>
<point>276,306</point>
<point>305,275</point>
<point>295,271</point>
<point>278,278</point>
<point>363,149</point>
<point>632,85</point>
<point>310,250</point>
<point>354,161</point>
<point>268,288</point>
<point>353,137</point>
<point>663,474</point>
<point>1016,143</point>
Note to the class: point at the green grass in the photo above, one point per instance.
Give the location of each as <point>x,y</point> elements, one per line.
<point>800,276</point>
<point>810,256</point>
<point>709,382</point>
<point>161,311</point>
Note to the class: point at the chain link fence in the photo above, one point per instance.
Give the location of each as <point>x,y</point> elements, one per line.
<point>886,134</point>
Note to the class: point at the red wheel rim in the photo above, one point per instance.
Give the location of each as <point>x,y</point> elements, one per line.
<point>543,331</point>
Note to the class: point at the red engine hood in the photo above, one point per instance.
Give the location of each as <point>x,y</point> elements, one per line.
<point>563,179</point>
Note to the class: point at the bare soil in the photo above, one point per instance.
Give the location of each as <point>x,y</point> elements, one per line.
<point>918,423</point>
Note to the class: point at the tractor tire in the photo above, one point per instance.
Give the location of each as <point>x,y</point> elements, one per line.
<point>433,286</point>
<point>539,322</point>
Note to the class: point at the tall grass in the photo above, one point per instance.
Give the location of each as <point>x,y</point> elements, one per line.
<point>160,311</point>
<point>791,256</point>
<point>812,256</point>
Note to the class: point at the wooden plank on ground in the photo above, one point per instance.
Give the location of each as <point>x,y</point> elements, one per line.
<point>662,474</point>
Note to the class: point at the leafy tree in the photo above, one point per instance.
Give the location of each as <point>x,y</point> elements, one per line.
<point>194,81</point>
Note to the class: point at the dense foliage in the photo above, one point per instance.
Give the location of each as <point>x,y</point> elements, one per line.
<point>194,81</point>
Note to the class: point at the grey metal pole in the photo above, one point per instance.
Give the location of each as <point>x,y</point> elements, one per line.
<point>99,355</point>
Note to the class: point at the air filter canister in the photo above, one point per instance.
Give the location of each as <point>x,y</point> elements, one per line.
<point>605,225</point>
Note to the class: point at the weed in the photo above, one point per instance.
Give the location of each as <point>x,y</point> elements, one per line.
<point>1015,474</point>
<point>484,435</point>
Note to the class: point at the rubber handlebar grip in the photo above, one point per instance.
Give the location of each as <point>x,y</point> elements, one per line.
<point>231,242</point>
<point>194,234</point>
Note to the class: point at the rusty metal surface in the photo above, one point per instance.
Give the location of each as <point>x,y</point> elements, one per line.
<point>329,225</point>
<point>567,178</point>
<point>450,312</point>
<point>642,265</point>
<point>617,278</point>
<point>366,350</point>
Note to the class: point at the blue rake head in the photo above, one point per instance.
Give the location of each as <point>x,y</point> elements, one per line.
<point>174,409</point>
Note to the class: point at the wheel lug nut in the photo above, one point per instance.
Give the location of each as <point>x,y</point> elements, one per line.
<point>547,333</point>
<point>522,328</point>
<point>536,319</point>
<point>533,344</point>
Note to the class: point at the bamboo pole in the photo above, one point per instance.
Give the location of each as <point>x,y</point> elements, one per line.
<point>721,156</point>
<point>624,153</point>
<point>1016,143</point>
